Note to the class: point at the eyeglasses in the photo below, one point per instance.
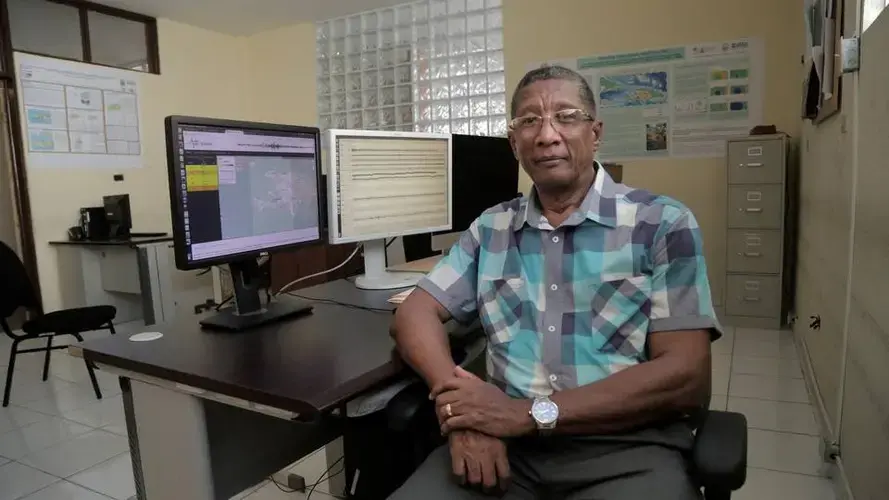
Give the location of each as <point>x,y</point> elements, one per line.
<point>562,119</point>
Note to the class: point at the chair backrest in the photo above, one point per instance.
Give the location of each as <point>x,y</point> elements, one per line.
<point>418,246</point>
<point>16,289</point>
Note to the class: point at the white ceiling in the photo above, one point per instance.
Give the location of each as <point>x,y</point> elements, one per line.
<point>246,17</point>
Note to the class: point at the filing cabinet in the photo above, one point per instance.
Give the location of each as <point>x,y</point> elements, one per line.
<point>755,206</point>
<point>758,236</point>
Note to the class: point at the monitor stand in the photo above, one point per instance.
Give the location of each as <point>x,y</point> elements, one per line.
<point>376,277</point>
<point>249,311</point>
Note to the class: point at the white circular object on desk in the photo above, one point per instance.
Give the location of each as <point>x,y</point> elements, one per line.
<point>146,336</point>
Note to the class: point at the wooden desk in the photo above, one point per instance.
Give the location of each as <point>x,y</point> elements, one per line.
<point>238,407</point>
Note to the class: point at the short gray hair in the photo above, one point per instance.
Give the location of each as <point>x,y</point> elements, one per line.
<point>548,72</point>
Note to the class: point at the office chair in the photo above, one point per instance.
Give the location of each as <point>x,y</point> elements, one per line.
<point>418,246</point>
<point>16,291</point>
<point>718,458</point>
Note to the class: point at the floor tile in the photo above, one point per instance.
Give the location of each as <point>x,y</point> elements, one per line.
<point>313,467</point>
<point>776,415</point>
<point>63,490</point>
<point>119,429</point>
<point>65,400</point>
<point>78,454</point>
<point>771,367</point>
<point>71,369</point>
<point>771,388</point>
<point>18,443</point>
<point>784,452</point>
<point>108,411</point>
<point>14,417</point>
<point>725,343</point>
<point>271,492</point>
<point>764,343</point>
<point>28,387</point>
<point>17,480</point>
<point>718,402</point>
<point>113,478</point>
<point>722,364</point>
<point>768,485</point>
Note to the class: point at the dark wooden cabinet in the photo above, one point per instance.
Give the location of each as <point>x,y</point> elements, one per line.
<point>305,261</point>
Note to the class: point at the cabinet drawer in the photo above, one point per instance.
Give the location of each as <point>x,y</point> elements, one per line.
<point>756,162</point>
<point>755,206</point>
<point>748,295</point>
<point>752,251</point>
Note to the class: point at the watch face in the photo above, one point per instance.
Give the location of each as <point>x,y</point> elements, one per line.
<point>545,412</point>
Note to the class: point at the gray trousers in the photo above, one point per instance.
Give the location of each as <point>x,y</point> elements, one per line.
<point>563,468</point>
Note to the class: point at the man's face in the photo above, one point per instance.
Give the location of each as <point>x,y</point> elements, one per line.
<point>553,153</point>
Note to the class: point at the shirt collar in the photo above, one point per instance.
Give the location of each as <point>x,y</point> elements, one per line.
<point>599,205</point>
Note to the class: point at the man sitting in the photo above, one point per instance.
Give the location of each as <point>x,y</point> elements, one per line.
<point>595,300</point>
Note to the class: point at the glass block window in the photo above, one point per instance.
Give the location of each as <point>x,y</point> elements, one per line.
<point>429,66</point>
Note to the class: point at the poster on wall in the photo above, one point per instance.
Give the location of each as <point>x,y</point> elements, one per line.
<point>682,101</point>
<point>78,115</point>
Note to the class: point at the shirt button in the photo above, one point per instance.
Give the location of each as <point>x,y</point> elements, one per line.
<point>554,287</point>
<point>555,239</point>
<point>553,378</point>
<point>552,328</point>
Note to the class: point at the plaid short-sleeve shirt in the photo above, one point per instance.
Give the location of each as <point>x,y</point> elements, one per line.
<point>570,305</point>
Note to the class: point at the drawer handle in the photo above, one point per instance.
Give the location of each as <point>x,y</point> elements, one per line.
<point>751,299</point>
<point>750,209</point>
<point>750,254</point>
<point>752,165</point>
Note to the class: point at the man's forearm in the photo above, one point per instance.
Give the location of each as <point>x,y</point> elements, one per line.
<point>423,343</point>
<point>642,394</point>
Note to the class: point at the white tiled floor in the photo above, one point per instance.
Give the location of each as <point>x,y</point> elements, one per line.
<point>757,373</point>
<point>58,442</point>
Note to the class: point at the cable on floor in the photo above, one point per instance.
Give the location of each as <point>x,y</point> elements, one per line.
<point>322,478</point>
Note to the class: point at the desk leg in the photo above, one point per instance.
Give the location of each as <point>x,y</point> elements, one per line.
<point>168,443</point>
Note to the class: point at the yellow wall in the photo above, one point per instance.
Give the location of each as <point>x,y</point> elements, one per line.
<point>536,31</point>
<point>203,73</point>
<point>270,77</point>
<point>282,65</point>
<point>266,77</point>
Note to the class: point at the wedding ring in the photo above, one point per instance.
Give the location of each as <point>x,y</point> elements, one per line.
<point>448,411</point>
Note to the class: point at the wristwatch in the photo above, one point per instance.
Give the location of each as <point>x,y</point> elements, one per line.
<point>545,414</point>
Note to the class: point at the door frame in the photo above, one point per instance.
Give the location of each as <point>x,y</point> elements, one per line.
<point>19,172</point>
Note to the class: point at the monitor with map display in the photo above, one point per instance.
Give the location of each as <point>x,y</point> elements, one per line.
<point>239,190</point>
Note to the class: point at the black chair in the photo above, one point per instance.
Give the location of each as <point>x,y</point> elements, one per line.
<point>16,291</point>
<point>718,458</point>
<point>418,246</point>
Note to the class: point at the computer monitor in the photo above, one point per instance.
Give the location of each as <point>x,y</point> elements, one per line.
<point>117,213</point>
<point>239,190</point>
<point>486,173</point>
<point>387,184</point>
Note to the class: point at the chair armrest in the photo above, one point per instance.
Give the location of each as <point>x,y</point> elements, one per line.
<point>407,406</point>
<point>720,450</point>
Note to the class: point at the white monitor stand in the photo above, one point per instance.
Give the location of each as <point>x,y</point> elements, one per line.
<point>376,276</point>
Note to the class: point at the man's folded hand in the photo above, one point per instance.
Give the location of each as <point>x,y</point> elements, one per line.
<point>479,461</point>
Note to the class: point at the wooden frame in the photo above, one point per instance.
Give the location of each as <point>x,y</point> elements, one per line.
<point>8,99</point>
<point>84,7</point>
<point>19,173</point>
<point>830,107</point>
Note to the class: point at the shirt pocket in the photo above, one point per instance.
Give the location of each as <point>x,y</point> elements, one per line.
<point>501,306</point>
<point>621,313</point>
